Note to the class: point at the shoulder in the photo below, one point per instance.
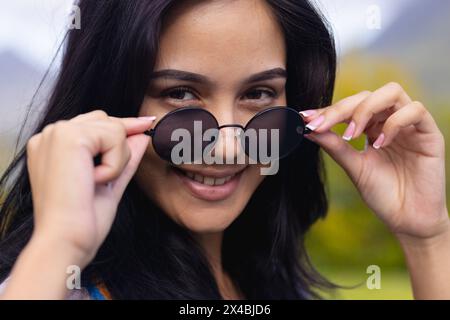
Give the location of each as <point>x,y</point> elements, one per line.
<point>78,294</point>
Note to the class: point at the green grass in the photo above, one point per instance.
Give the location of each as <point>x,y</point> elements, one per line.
<point>395,285</point>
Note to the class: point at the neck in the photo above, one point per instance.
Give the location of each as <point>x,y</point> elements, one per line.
<point>212,246</point>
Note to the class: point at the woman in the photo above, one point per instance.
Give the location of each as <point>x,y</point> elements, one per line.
<point>142,227</point>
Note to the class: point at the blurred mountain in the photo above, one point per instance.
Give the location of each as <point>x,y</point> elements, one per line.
<point>419,41</point>
<point>18,82</point>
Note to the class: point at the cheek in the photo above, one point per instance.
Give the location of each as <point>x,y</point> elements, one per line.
<point>151,173</point>
<point>282,100</point>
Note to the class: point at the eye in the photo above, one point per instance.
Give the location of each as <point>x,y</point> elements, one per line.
<point>180,93</point>
<point>259,94</point>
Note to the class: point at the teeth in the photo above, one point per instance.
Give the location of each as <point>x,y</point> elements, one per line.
<point>210,181</point>
<point>198,178</point>
<point>219,181</point>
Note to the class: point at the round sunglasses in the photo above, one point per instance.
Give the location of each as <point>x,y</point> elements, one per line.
<point>285,121</point>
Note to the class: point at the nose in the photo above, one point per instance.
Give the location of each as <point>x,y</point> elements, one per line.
<point>228,147</point>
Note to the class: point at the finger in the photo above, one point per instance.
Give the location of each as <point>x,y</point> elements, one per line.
<point>136,125</point>
<point>339,112</point>
<point>314,113</point>
<point>138,145</point>
<point>113,149</point>
<point>113,162</point>
<point>132,125</point>
<point>106,138</point>
<point>413,114</point>
<point>42,150</point>
<point>33,162</point>
<point>391,96</point>
<point>342,152</point>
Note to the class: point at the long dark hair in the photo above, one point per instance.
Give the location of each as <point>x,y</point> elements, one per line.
<point>106,65</point>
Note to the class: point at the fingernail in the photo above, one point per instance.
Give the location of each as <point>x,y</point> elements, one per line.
<point>379,142</point>
<point>308,113</point>
<point>349,132</point>
<point>147,118</point>
<point>313,125</point>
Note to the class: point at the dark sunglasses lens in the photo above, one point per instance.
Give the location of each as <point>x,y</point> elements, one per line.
<point>279,131</point>
<point>193,123</point>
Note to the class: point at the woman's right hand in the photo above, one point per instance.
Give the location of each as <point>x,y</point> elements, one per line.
<point>74,201</point>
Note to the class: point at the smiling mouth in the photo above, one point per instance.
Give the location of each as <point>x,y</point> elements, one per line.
<point>209,186</point>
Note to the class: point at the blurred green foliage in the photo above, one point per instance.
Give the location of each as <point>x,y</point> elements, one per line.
<point>351,238</point>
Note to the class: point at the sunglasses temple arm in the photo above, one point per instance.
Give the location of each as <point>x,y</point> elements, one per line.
<point>150,132</point>
<point>307,131</point>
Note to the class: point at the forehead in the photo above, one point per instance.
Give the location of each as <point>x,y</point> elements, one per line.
<point>221,37</point>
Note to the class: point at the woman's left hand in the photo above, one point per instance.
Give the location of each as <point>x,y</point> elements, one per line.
<point>401,172</point>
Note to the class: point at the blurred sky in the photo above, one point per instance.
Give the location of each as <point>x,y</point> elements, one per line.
<point>33,28</point>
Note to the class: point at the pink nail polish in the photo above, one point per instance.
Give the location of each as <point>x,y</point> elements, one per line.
<point>313,125</point>
<point>349,132</point>
<point>308,113</point>
<point>379,142</point>
<point>147,118</point>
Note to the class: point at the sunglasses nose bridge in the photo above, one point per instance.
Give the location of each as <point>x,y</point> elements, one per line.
<point>231,126</point>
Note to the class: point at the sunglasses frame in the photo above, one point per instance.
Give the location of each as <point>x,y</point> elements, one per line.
<point>306,130</point>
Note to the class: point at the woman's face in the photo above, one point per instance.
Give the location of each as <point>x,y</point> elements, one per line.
<point>228,56</point>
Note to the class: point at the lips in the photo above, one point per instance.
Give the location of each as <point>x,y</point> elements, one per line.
<point>209,186</point>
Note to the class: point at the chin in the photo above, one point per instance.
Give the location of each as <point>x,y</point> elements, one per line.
<point>207,219</point>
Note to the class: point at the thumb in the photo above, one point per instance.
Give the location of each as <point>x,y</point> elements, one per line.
<point>138,144</point>
<point>343,153</point>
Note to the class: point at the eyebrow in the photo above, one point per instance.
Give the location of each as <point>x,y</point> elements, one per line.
<point>201,79</point>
